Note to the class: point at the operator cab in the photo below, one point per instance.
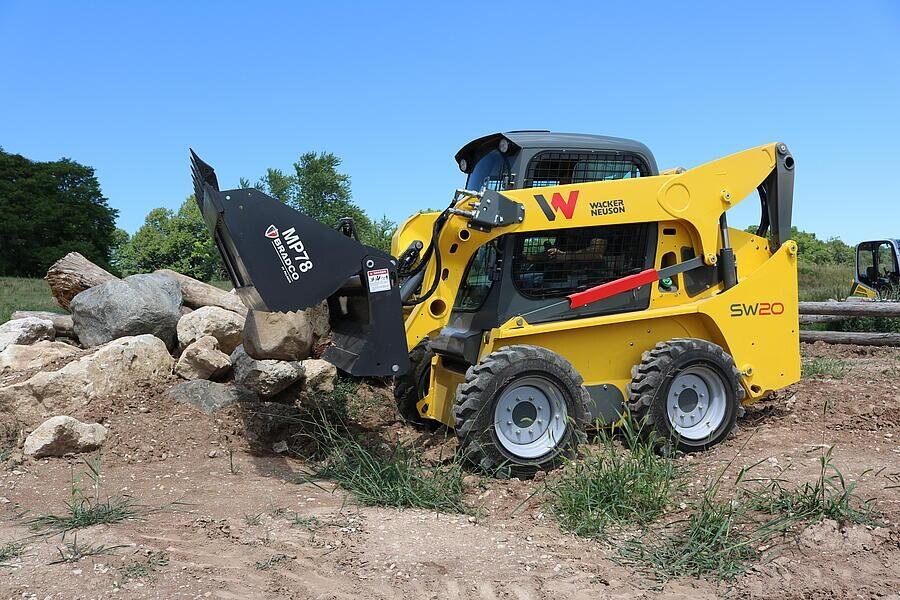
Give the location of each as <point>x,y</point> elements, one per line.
<point>525,159</point>
<point>877,265</point>
<point>545,266</point>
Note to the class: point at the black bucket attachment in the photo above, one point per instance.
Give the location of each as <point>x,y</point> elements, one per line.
<point>281,260</point>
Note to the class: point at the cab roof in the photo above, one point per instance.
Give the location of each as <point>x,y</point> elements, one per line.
<point>543,138</point>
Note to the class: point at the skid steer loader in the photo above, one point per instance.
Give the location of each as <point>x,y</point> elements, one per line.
<point>568,283</point>
<point>877,275</point>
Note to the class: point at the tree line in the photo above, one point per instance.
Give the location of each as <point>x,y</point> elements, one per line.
<point>52,208</point>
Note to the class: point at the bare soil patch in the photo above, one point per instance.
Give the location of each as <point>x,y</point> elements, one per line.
<point>232,519</point>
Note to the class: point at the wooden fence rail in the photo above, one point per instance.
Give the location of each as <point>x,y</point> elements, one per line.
<point>823,312</point>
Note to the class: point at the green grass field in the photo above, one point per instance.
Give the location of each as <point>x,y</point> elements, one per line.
<point>17,293</point>
<point>817,282</point>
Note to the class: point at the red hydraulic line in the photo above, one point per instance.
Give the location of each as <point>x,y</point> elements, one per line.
<point>605,290</point>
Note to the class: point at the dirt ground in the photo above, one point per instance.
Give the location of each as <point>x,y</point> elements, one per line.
<point>220,520</point>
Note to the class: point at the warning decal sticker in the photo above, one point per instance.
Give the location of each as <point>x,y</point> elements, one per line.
<point>379,280</point>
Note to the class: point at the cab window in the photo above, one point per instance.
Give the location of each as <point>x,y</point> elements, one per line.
<point>476,284</point>
<point>555,263</point>
<point>560,168</point>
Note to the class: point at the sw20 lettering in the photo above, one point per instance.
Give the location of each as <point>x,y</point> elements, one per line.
<point>759,309</point>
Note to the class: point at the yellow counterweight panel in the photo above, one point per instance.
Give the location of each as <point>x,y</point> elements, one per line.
<point>759,321</point>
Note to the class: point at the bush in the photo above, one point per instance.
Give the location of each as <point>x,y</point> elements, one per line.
<point>172,240</point>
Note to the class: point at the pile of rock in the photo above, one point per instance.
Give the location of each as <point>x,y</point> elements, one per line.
<point>126,333</point>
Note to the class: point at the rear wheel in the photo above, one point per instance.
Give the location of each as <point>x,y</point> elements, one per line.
<point>688,392</point>
<point>412,386</point>
<point>520,410</point>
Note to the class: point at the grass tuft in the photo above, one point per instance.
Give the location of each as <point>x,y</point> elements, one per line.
<point>397,477</point>
<point>74,551</point>
<point>5,454</point>
<point>83,509</point>
<point>823,366</point>
<point>614,487</point>
<point>709,543</point>
<point>145,569</point>
<point>11,550</point>
<point>829,496</point>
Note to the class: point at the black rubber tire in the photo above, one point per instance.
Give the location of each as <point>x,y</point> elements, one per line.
<point>412,386</point>
<point>473,411</point>
<point>650,386</point>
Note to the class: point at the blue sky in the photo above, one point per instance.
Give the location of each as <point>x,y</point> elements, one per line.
<point>396,88</point>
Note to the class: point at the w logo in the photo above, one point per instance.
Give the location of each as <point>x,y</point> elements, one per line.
<point>557,204</point>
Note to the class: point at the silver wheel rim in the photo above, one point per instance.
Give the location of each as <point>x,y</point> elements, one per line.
<point>697,403</point>
<point>530,417</point>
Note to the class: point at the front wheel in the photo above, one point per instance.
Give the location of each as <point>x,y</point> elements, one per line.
<point>520,410</point>
<point>688,392</point>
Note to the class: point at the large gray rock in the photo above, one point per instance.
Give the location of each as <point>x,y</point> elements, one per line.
<point>25,331</point>
<point>319,376</point>
<point>116,368</point>
<point>278,336</point>
<point>203,360</point>
<point>226,326</point>
<point>265,377</point>
<point>34,356</point>
<point>208,396</point>
<point>136,305</point>
<point>63,435</point>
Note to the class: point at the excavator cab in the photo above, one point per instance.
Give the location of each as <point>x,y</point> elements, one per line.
<point>877,274</point>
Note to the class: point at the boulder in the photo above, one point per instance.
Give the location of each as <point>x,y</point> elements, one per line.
<point>114,368</point>
<point>136,305</point>
<point>278,336</point>
<point>63,435</point>
<point>62,323</point>
<point>35,356</point>
<point>25,331</point>
<point>265,377</point>
<point>203,360</point>
<point>208,396</point>
<point>224,325</point>
<point>319,375</point>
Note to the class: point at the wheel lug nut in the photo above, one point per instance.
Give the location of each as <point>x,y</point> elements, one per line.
<point>518,431</point>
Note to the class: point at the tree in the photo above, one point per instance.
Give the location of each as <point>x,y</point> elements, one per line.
<point>319,190</point>
<point>48,210</point>
<point>172,240</point>
<point>812,250</point>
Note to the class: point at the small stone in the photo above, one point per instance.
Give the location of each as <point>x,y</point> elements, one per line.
<point>224,325</point>
<point>63,435</point>
<point>265,377</point>
<point>212,454</point>
<point>25,331</point>
<point>203,360</point>
<point>319,375</point>
<point>280,447</point>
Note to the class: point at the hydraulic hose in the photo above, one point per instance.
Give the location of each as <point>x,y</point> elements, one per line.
<point>433,248</point>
